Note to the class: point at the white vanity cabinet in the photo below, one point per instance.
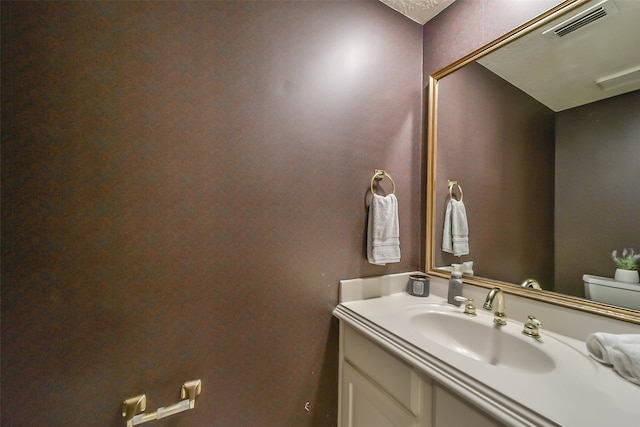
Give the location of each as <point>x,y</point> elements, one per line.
<point>377,389</point>
<point>366,404</point>
<point>452,411</point>
<point>396,370</point>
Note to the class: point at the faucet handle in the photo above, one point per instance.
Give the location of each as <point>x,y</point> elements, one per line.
<point>469,308</point>
<point>531,327</point>
<point>531,284</point>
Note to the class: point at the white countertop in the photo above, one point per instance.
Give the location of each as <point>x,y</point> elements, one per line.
<point>577,392</point>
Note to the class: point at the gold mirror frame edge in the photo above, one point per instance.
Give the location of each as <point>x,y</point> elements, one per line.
<point>574,303</point>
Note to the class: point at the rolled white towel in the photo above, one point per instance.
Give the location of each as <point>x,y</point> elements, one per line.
<point>599,344</point>
<point>625,359</point>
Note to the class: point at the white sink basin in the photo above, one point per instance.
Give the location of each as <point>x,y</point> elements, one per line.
<point>482,340</point>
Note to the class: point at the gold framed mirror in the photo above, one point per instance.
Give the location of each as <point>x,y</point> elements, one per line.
<point>539,255</point>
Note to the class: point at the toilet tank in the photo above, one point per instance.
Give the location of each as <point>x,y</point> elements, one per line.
<point>611,291</point>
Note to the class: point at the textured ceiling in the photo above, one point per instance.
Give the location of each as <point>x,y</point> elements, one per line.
<point>418,10</point>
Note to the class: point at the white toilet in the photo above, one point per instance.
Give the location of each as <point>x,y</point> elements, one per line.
<point>611,291</point>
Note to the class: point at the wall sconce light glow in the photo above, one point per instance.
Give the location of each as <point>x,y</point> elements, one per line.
<point>355,54</point>
<point>342,63</point>
<point>348,56</point>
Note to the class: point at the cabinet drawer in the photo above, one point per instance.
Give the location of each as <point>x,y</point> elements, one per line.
<point>391,374</point>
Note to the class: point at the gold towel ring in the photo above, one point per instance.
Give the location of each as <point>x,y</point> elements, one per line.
<point>451,184</point>
<point>378,175</point>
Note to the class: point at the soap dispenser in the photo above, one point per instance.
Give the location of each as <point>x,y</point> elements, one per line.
<point>455,286</point>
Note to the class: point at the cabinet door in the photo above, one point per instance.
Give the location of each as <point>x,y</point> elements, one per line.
<point>392,375</point>
<point>365,405</point>
<point>452,411</point>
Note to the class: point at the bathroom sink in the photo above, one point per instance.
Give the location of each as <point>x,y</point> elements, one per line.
<point>480,339</point>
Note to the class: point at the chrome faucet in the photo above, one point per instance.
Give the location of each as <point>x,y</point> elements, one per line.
<point>498,316</point>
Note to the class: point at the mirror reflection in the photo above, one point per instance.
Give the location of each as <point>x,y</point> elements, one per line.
<point>543,137</point>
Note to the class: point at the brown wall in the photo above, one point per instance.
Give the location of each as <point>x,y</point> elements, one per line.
<point>183,186</point>
<point>497,142</point>
<point>597,181</point>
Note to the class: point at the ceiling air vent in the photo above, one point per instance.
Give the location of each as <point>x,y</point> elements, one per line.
<point>592,14</point>
<point>581,22</point>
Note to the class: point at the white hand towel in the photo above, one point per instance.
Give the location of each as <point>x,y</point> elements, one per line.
<point>447,239</point>
<point>626,361</point>
<point>599,344</point>
<point>455,236</point>
<point>383,234</point>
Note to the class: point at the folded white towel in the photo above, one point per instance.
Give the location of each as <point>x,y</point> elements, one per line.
<point>383,234</point>
<point>599,344</point>
<point>455,236</point>
<point>626,361</point>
